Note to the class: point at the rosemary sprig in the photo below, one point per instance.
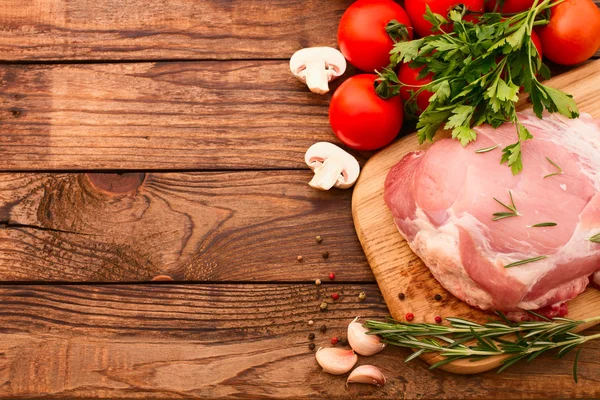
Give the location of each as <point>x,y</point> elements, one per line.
<point>595,238</point>
<point>559,172</point>
<point>544,224</point>
<point>526,261</point>
<point>531,338</point>
<point>512,208</point>
<point>486,149</point>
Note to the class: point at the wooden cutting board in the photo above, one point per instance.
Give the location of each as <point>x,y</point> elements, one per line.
<point>398,270</point>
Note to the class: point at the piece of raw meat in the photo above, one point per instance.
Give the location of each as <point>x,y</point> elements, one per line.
<point>442,201</point>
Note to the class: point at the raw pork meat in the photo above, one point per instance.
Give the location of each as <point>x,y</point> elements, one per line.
<point>442,201</point>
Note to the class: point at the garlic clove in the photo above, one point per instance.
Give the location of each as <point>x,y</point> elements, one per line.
<point>363,344</point>
<point>336,361</point>
<point>367,374</point>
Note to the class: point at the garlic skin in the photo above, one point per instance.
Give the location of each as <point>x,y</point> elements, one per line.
<point>363,344</point>
<point>367,374</point>
<point>336,361</point>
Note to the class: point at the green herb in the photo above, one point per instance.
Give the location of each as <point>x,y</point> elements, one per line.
<point>478,70</point>
<point>559,172</point>
<point>486,149</point>
<point>543,224</point>
<point>531,338</point>
<point>595,238</point>
<point>527,261</point>
<point>512,208</point>
<point>397,31</point>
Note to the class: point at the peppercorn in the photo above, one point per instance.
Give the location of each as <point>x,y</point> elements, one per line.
<point>344,342</point>
<point>311,346</point>
<point>323,328</point>
<point>311,336</point>
<point>325,255</point>
<point>331,276</point>
<point>334,341</point>
<point>335,296</point>
<point>323,306</point>
<point>437,297</point>
<point>318,238</point>
<point>311,322</point>
<point>362,296</point>
<point>438,319</point>
<point>401,296</point>
<point>409,316</point>
<point>299,258</point>
<point>317,282</point>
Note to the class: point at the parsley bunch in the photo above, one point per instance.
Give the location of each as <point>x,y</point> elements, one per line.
<point>479,70</point>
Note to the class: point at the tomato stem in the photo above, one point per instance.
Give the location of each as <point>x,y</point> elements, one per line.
<point>397,31</point>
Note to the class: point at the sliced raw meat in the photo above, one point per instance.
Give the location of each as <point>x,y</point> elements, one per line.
<point>443,201</point>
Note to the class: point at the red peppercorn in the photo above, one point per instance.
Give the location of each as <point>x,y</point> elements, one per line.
<point>331,276</point>
<point>334,341</point>
<point>438,319</point>
<point>409,316</point>
<point>335,296</point>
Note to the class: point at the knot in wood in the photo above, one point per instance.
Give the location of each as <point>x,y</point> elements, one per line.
<point>117,183</point>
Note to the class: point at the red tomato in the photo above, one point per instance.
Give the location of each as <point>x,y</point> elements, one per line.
<point>361,34</point>
<point>573,34</point>
<point>416,9</point>
<point>508,6</point>
<point>360,118</point>
<point>409,76</point>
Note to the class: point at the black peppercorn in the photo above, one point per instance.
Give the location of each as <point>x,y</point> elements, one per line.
<point>344,342</point>
<point>311,346</point>
<point>325,255</point>
<point>401,296</point>
<point>437,297</point>
<point>311,336</point>
<point>323,328</point>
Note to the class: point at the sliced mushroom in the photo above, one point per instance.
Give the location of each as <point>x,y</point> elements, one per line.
<point>332,166</point>
<point>317,66</point>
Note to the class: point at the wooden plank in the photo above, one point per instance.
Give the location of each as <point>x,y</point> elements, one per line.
<point>198,115</point>
<point>164,29</point>
<point>208,341</point>
<point>397,269</point>
<point>225,226</point>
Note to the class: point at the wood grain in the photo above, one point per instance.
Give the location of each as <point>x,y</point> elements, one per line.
<point>219,226</point>
<point>164,29</point>
<point>149,116</point>
<point>224,341</point>
<point>398,270</point>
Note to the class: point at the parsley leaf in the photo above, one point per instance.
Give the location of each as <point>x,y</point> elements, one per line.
<point>478,72</point>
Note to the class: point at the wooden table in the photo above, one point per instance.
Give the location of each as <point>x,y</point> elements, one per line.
<point>153,202</point>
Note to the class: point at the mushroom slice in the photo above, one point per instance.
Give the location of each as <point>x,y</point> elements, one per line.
<point>317,66</point>
<point>332,166</point>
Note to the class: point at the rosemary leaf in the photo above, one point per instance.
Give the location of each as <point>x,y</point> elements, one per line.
<point>414,355</point>
<point>553,174</point>
<point>566,349</point>
<point>446,361</point>
<point>527,261</point>
<point>512,208</point>
<point>575,364</point>
<point>486,149</point>
<point>511,361</point>
<point>559,172</point>
<point>595,238</point>
<point>544,224</point>
<point>501,215</point>
<point>540,316</point>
